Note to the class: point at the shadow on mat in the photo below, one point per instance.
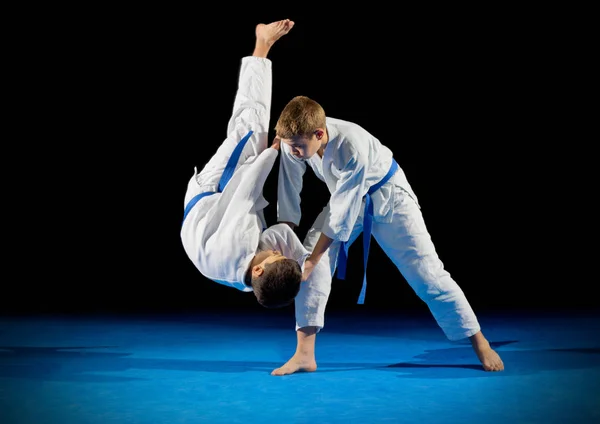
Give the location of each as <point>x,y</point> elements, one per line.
<point>87,364</point>
<point>462,363</point>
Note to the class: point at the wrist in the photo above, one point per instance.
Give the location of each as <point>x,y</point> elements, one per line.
<point>313,259</point>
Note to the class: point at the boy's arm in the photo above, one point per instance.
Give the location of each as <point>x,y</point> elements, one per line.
<point>289,186</point>
<point>320,248</point>
<point>345,204</point>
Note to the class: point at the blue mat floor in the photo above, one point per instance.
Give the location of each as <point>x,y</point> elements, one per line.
<point>215,368</point>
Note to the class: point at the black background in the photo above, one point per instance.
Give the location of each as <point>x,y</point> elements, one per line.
<point>477,106</point>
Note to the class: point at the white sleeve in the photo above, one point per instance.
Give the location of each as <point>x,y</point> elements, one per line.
<point>289,186</point>
<point>346,201</point>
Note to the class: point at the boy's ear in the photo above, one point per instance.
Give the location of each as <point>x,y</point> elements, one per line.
<point>257,271</point>
<point>319,133</point>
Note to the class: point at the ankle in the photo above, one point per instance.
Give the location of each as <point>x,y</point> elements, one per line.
<point>479,341</point>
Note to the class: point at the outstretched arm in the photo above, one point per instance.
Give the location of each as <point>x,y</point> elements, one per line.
<point>345,203</point>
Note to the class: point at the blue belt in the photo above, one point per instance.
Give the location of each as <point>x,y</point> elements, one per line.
<point>225,177</point>
<point>367,228</point>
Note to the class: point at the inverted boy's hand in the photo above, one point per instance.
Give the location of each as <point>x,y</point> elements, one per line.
<point>276,143</point>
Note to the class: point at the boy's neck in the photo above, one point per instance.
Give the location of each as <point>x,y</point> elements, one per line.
<point>324,141</point>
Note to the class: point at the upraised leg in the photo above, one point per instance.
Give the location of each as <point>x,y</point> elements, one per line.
<point>268,34</point>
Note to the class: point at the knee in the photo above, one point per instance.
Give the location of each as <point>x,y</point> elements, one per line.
<point>429,279</point>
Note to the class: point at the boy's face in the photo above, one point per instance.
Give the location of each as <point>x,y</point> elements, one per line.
<point>264,258</point>
<point>271,256</point>
<point>304,147</point>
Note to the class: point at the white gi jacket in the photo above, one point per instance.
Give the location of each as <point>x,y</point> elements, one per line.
<point>352,162</point>
<point>221,234</point>
<point>223,231</point>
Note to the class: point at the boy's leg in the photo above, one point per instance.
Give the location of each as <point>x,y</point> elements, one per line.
<point>312,236</point>
<point>313,311</point>
<point>252,104</point>
<point>408,244</point>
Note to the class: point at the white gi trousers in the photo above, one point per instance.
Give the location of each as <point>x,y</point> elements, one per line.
<point>408,244</point>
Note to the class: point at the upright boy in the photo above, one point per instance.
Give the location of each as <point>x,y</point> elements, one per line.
<point>370,192</point>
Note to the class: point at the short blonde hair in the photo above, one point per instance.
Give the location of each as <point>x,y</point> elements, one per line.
<point>300,117</point>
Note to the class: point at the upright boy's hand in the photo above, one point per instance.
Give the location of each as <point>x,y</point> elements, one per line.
<point>276,143</point>
<point>309,265</point>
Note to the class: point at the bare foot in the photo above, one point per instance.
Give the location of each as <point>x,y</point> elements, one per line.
<point>488,357</point>
<point>269,33</point>
<point>295,364</point>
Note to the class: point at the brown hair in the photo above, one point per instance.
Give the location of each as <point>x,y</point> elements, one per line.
<point>300,117</point>
<point>279,284</point>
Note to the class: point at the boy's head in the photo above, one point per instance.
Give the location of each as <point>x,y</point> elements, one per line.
<point>274,278</point>
<point>302,126</point>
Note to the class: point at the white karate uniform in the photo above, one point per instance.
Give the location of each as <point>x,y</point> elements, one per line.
<point>223,231</point>
<point>353,161</point>
<point>311,301</point>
